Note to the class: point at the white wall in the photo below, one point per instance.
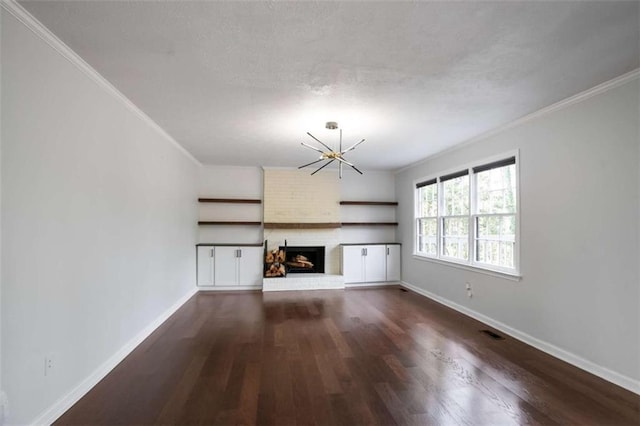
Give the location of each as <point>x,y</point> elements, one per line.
<point>2,393</point>
<point>579,183</point>
<point>372,186</point>
<point>230,182</point>
<point>98,223</point>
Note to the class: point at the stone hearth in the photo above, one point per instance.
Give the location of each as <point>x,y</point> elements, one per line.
<point>303,282</point>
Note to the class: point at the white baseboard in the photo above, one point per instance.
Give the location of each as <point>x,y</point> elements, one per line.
<point>231,288</point>
<point>571,358</point>
<point>377,284</point>
<point>58,408</point>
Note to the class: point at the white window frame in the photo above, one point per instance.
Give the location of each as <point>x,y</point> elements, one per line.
<point>442,217</point>
<point>418,217</point>
<point>471,263</point>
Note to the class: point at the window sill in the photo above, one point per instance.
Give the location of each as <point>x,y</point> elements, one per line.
<point>493,273</point>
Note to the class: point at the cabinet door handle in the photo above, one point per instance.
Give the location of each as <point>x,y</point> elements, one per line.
<point>387,251</point>
<point>211,252</point>
<point>239,252</point>
<point>365,252</point>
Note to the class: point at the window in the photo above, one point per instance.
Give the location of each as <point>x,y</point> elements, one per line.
<point>427,220</point>
<point>455,215</point>
<point>470,216</point>
<point>495,221</point>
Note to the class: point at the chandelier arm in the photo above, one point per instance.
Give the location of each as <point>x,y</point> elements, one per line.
<point>342,160</point>
<point>320,142</point>
<point>328,162</point>
<point>313,162</point>
<point>348,164</point>
<point>312,147</point>
<point>352,147</point>
<point>340,165</point>
<point>356,169</point>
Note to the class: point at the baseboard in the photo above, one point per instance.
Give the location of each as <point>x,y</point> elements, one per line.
<point>571,358</point>
<point>58,408</point>
<point>372,285</point>
<point>231,288</point>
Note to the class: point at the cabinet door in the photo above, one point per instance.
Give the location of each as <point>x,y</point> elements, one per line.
<point>250,266</point>
<point>393,263</point>
<point>205,266</point>
<point>352,264</point>
<point>375,264</point>
<point>226,266</point>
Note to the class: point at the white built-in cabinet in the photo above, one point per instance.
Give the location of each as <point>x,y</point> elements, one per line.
<point>205,266</point>
<point>229,266</point>
<point>393,262</point>
<point>370,263</point>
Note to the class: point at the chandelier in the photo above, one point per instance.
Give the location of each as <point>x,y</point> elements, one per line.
<point>330,155</point>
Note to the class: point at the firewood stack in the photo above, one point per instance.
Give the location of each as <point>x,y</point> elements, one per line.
<point>275,263</point>
<point>300,261</point>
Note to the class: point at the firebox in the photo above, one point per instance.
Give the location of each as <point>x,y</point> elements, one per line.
<point>304,259</point>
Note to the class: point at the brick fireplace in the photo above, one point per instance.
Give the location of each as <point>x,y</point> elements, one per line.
<point>304,211</point>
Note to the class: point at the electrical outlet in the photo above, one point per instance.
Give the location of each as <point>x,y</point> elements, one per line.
<point>49,363</point>
<point>468,286</point>
<point>469,294</point>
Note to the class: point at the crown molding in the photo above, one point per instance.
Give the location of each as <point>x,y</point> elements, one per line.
<point>572,100</point>
<point>29,21</point>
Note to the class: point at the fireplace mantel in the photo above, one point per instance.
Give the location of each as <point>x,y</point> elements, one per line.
<point>302,225</point>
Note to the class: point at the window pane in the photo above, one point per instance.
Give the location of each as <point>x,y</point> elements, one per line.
<point>455,237</point>
<point>428,227</point>
<point>428,196</point>
<point>456,196</point>
<point>495,240</point>
<point>497,190</point>
<point>428,236</point>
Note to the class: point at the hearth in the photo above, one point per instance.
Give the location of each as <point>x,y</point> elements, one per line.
<point>304,259</point>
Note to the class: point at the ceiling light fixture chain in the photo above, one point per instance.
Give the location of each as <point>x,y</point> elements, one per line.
<point>330,154</point>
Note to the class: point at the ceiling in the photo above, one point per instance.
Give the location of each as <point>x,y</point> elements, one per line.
<point>240,83</point>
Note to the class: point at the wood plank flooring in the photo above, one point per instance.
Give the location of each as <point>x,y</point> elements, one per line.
<point>356,357</point>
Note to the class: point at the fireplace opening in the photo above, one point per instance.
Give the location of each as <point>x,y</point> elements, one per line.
<point>304,260</point>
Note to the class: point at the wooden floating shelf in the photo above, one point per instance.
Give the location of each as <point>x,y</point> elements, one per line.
<point>369,223</point>
<point>229,200</point>
<point>230,245</point>
<point>218,222</point>
<point>278,225</point>
<point>368,203</point>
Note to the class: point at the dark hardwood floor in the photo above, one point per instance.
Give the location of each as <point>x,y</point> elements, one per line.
<point>370,356</point>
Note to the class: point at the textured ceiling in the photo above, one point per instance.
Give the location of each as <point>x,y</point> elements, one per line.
<point>241,82</point>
